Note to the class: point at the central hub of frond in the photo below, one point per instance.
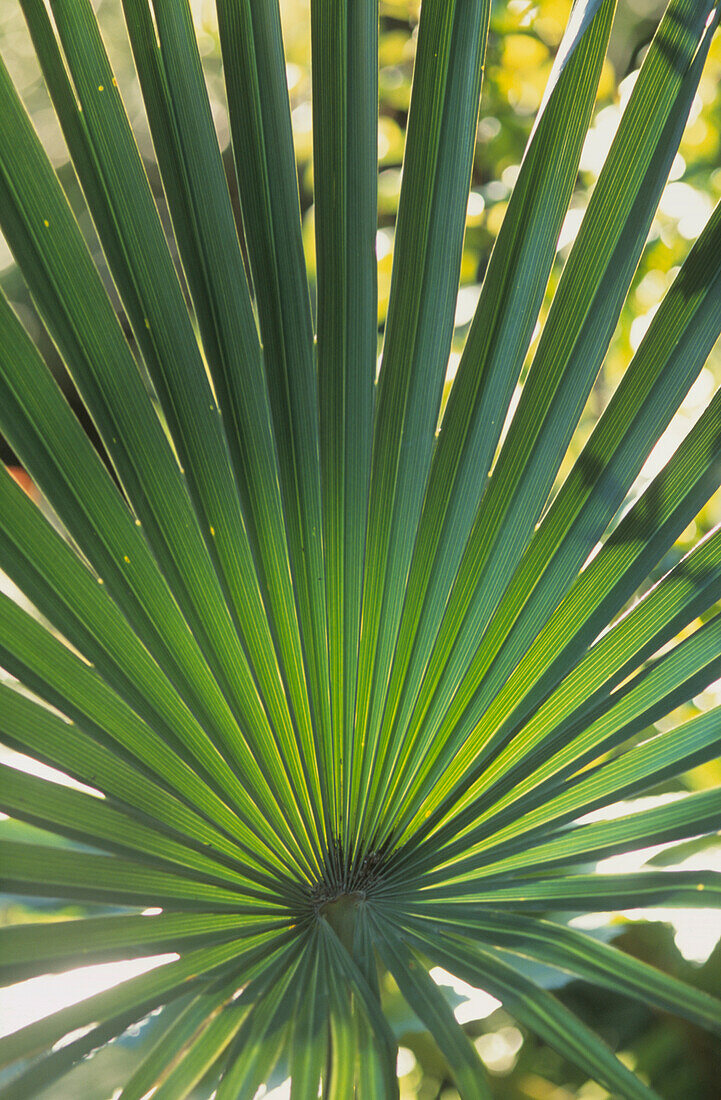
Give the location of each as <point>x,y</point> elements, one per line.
<point>341,915</point>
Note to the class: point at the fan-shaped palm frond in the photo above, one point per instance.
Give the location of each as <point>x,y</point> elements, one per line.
<point>339,687</point>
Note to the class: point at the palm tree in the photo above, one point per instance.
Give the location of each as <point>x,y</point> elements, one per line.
<point>338,685</point>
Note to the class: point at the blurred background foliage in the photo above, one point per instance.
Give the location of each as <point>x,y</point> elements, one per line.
<point>682,1062</point>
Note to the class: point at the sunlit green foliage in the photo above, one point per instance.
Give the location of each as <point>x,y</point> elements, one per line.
<point>334,659</point>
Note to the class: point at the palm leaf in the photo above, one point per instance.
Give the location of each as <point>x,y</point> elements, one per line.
<point>333,685</point>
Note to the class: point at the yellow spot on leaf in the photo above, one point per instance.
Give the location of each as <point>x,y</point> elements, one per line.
<point>137,523</point>
<point>212,531</point>
<point>101,87</point>
<point>46,223</point>
<point>100,580</point>
<point>127,559</point>
<point>115,83</point>
<point>700,886</point>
